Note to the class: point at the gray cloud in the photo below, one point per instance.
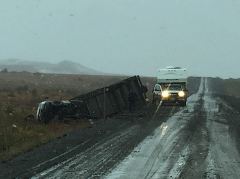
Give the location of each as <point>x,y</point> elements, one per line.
<point>125,36</point>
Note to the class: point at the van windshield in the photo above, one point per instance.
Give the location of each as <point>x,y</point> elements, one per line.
<point>175,87</point>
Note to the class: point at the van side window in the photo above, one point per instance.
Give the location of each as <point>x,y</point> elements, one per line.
<point>157,87</point>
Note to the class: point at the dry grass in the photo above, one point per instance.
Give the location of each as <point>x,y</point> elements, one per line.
<point>18,135</point>
<point>227,89</point>
<point>230,87</point>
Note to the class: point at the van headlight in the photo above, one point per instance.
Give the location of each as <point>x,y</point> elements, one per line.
<point>181,94</point>
<point>165,94</point>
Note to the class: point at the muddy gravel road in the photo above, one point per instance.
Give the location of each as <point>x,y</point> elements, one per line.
<point>197,141</point>
<point>193,143</point>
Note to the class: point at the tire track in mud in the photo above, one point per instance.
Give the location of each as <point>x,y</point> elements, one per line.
<point>198,145</point>
<point>232,119</point>
<point>85,164</point>
<point>214,151</point>
<point>183,150</point>
<point>223,159</point>
<point>170,142</point>
<point>98,159</point>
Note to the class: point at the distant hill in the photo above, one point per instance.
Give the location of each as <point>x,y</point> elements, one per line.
<point>63,67</point>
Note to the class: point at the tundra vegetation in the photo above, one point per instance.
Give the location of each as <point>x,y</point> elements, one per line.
<point>228,90</point>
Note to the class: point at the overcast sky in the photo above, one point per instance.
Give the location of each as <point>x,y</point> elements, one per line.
<point>125,36</point>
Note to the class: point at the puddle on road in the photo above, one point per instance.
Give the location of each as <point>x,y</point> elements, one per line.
<point>163,129</point>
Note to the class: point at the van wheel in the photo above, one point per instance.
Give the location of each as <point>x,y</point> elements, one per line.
<point>157,102</point>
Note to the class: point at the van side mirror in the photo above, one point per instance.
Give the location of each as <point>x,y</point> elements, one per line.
<point>157,87</point>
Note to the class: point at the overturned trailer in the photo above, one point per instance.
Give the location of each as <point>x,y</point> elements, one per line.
<point>114,98</point>
<point>99,103</point>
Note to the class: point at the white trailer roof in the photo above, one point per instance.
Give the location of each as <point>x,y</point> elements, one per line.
<point>172,75</point>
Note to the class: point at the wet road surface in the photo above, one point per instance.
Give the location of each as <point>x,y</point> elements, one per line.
<point>191,144</point>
